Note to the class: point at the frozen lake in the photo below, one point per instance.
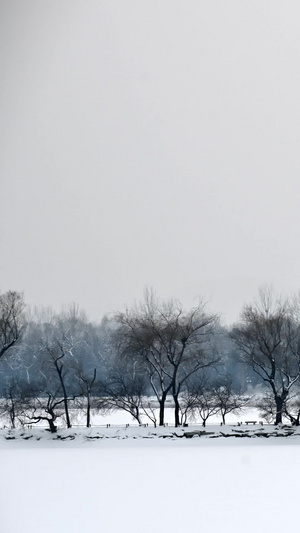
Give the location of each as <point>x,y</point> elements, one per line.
<point>150,486</point>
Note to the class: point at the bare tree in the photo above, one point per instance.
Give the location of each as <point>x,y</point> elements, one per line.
<point>198,399</point>
<point>187,406</point>
<point>149,409</point>
<point>43,406</point>
<point>59,340</point>
<point>195,353</point>
<point>12,399</point>
<point>125,390</point>
<point>169,343</point>
<point>225,397</point>
<point>55,354</point>
<point>206,405</point>
<point>12,319</point>
<point>86,384</point>
<point>268,338</point>
<point>266,406</point>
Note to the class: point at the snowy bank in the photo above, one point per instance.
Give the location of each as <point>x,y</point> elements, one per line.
<point>84,435</point>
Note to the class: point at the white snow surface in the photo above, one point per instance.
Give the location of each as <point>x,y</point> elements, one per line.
<point>124,482</point>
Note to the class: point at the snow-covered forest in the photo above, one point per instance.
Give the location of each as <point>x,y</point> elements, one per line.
<point>59,368</point>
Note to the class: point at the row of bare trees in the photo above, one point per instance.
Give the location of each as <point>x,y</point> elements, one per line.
<point>50,368</point>
<point>54,365</point>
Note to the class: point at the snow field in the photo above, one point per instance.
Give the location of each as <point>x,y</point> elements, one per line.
<point>150,486</point>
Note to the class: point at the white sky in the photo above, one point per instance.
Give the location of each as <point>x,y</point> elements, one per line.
<point>149,143</point>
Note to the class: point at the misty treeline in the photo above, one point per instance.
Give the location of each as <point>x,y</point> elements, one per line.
<point>152,356</point>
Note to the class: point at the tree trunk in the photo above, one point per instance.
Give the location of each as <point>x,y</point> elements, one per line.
<point>52,426</point>
<point>67,412</point>
<point>12,414</point>
<point>176,412</point>
<point>162,409</point>
<point>88,411</point>
<point>61,379</point>
<point>279,409</point>
<point>137,416</point>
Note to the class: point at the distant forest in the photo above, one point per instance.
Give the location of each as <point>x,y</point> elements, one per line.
<point>154,354</point>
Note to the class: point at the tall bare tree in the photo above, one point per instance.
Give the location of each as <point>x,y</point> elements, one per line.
<point>268,338</point>
<point>59,348</point>
<point>169,343</point>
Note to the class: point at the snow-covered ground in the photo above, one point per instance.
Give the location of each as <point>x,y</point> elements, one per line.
<point>135,485</point>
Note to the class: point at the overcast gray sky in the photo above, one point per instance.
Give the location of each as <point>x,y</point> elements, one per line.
<point>149,143</point>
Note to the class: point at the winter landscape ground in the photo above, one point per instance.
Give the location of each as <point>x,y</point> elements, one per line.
<point>149,480</point>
